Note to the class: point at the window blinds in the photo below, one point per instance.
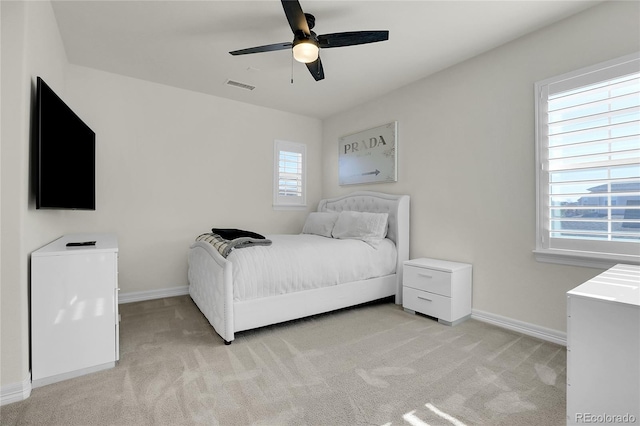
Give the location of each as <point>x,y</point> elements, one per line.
<point>593,159</point>
<point>290,174</point>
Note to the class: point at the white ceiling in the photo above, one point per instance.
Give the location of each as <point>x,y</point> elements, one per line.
<point>186,43</point>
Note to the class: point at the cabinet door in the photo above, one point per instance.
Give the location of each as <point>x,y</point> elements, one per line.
<point>73,312</point>
<point>603,367</point>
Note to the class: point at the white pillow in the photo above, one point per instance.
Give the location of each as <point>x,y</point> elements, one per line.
<point>320,223</point>
<point>361,225</point>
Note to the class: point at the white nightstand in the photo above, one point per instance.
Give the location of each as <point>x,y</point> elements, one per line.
<point>437,288</point>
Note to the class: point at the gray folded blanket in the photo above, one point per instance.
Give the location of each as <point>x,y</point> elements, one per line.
<point>225,246</point>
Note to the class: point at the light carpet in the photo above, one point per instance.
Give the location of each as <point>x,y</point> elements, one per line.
<point>369,365</point>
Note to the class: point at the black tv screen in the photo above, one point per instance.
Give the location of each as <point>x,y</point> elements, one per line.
<point>66,149</point>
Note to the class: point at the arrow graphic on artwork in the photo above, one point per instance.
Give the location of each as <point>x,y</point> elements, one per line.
<point>377,172</point>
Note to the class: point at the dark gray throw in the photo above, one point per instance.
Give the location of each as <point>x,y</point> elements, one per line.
<point>232,234</point>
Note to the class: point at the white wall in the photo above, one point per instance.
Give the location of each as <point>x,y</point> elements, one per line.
<point>466,157</point>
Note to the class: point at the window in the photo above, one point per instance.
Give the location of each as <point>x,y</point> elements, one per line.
<point>588,155</point>
<point>289,174</point>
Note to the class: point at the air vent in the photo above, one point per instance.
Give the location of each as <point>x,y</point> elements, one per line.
<point>239,85</point>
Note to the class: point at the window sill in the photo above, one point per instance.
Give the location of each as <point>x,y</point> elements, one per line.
<point>289,206</point>
<point>588,260</point>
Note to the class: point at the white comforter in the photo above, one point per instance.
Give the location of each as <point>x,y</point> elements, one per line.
<point>306,261</point>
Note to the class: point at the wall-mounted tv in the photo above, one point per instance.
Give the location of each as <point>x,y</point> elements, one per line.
<point>65,170</point>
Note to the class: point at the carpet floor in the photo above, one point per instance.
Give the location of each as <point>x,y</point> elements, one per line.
<point>370,365</point>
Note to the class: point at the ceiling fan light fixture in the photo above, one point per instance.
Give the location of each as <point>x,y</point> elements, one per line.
<point>305,51</point>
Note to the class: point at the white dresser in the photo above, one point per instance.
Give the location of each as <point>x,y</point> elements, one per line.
<point>438,288</point>
<point>74,308</point>
<point>603,348</point>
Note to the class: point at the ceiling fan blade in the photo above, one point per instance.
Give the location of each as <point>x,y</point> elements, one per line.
<point>295,16</point>
<point>351,38</point>
<point>260,49</point>
<point>316,70</point>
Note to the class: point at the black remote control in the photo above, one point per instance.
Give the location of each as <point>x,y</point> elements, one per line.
<point>81,244</point>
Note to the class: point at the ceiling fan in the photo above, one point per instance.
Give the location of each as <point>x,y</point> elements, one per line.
<point>306,44</point>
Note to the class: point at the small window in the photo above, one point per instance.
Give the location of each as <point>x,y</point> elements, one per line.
<point>588,154</point>
<point>289,174</point>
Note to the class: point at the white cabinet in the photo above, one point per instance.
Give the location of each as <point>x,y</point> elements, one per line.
<point>437,288</point>
<point>74,308</point>
<point>603,348</point>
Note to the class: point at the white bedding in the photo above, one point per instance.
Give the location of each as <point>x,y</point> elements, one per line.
<point>281,268</point>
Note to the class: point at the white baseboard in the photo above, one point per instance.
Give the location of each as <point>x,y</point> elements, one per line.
<point>15,392</point>
<point>139,296</point>
<point>543,333</point>
<point>71,374</point>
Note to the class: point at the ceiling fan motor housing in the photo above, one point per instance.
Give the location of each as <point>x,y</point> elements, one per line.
<point>300,37</point>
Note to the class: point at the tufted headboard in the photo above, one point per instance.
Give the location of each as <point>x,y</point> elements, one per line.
<point>397,206</point>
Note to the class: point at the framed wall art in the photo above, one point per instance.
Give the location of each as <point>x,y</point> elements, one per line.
<point>369,156</point>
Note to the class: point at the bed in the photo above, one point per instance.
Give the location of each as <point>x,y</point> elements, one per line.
<point>229,291</point>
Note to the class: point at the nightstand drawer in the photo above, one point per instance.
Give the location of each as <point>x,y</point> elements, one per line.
<point>430,280</point>
<point>427,303</point>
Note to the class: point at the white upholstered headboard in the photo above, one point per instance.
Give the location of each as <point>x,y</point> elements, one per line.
<point>397,206</point>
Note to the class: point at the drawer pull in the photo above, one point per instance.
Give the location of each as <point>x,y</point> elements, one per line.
<point>424,298</point>
<point>425,275</point>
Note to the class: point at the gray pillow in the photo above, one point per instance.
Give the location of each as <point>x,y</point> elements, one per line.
<point>320,223</point>
<point>361,225</point>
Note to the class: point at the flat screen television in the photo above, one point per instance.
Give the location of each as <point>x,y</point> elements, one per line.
<point>65,173</point>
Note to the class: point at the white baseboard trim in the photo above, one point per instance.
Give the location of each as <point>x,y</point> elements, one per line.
<point>71,374</point>
<point>139,296</point>
<point>533,330</point>
<point>16,392</point>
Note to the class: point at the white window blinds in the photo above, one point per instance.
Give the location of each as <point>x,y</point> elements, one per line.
<point>589,151</point>
<point>289,174</point>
